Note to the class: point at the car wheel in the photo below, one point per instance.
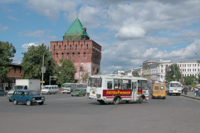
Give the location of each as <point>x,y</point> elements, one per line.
<point>28,102</point>
<point>41,103</point>
<point>15,102</point>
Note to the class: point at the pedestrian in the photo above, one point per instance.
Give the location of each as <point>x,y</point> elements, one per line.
<point>196,91</point>
<point>185,90</point>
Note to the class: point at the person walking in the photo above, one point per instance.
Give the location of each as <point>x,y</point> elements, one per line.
<point>196,91</point>
<point>185,89</point>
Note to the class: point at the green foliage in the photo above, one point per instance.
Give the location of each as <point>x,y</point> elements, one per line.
<point>189,80</point>
<point>175,70</point>
<point>7,51</point>
<point>135,74</point>
<point>65,73</point>
<point>32,62</point>
<point>85,76</point>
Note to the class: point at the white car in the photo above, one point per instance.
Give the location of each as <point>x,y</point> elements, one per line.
<point>50,89</point>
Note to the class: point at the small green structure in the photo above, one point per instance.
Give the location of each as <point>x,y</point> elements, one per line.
<point>76,32</point>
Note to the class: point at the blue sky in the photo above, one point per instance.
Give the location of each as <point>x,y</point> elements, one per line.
<point>129,31</point>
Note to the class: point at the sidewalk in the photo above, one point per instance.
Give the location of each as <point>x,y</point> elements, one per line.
<point>191,95</point>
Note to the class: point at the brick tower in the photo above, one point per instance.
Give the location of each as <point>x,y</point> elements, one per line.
<point>79,48</point>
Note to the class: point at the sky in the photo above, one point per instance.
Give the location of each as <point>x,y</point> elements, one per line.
<point>129,31</point>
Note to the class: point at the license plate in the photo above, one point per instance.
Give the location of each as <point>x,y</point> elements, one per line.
<point>175,89</point>
<point>39,101</point>
<point>93,92</point>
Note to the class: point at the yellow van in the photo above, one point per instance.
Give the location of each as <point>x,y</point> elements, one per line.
<point>159,91</point>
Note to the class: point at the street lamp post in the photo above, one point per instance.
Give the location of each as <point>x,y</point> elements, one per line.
<point>43,69</point>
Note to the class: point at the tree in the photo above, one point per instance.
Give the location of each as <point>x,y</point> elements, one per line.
<point>173,72</point>
<point>189,80</point>
<point>135,74</point>
<point>7,51</point>
<point>85,76</point>
<point>32,62</point>
<point>65,73</point>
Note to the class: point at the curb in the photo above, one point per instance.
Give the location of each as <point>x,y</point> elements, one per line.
<point>196,98</point>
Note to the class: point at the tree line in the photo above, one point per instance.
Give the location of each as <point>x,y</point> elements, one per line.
<point>32,63</point>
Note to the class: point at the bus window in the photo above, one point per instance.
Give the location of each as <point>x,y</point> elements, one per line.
<point>95,82</point>
<point>117,84</point>
<point>126,84</point>
<point>109,84</point>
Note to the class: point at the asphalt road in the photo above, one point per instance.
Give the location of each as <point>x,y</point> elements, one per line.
<point>62,113</point>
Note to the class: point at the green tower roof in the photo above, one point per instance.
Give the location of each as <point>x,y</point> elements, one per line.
<point>76,29</point>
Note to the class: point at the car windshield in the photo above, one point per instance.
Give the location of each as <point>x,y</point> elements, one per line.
<point>18,87</point>
<point>32,93</point>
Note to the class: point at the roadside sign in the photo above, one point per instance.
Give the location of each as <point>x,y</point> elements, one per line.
<point>43,69</point>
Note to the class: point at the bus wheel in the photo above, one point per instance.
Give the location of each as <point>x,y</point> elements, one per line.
<point>116,100</point>
<point>101,102</point>
<point>140,100</point>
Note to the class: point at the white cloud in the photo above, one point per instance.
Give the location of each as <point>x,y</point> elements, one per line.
<point>52,8</point>
<point>3,28</point>
<point>26,45</point>
<point>130,32</point>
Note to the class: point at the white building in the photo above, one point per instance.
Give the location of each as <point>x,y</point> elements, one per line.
<point>158,70</point>
<point>189,68</point>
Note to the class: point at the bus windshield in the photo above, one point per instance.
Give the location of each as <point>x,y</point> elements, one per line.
<point>175,85</point>
<point>65,85</point>
<point>142,84</point>
<point>95,82</point>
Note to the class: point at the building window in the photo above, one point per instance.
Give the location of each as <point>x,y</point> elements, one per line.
<point>73,55</point>
<point>70,47</point>
<point>65,47</point>
<point>76,47</point>
<point>81,69</point>
<point>57,55</point>
<point>68,55</point>
<point>62,55</point>
<point>84,55</point>
<point>87,46</point>
<point>54,47</point>
<point>78,55</point>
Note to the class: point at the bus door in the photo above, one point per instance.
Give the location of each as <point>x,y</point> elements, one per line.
<point>134,90</point>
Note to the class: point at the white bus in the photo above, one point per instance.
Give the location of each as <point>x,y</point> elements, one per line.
<point>114,88</point>
<point>174,87</point>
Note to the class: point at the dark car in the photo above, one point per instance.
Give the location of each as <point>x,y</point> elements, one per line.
<point>27,96</point>
<point>2,92</point>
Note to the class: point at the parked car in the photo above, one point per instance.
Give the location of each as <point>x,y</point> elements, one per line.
<point>78,92</point>
<point>27,96</point>
<point>2,92</point>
